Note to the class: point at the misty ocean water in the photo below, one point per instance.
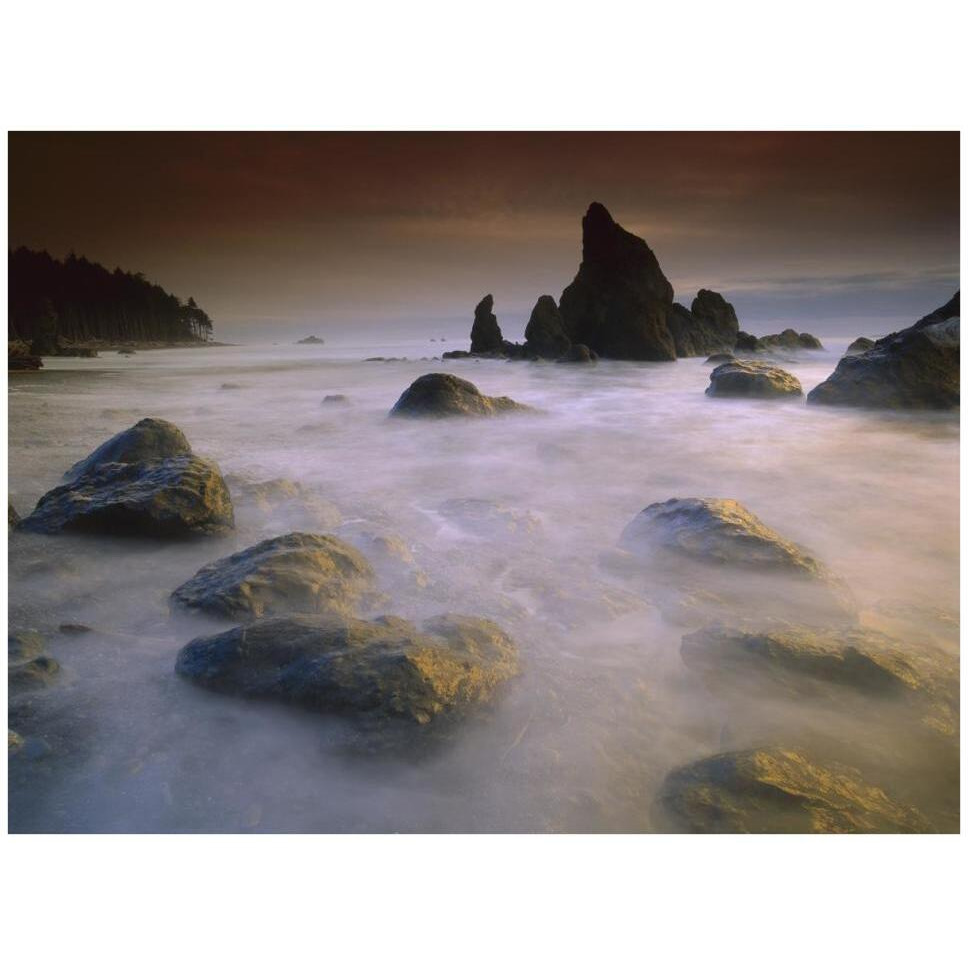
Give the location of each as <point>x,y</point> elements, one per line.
<point>604,706</point>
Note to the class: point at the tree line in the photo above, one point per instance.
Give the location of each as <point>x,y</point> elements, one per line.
<point>76,300</point>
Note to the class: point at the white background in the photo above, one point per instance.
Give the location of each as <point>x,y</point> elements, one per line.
<point>785,901</point>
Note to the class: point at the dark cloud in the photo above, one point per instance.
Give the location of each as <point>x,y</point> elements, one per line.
<point>289,226</point>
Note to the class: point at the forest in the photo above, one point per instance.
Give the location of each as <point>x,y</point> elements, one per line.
<point>76,301</point>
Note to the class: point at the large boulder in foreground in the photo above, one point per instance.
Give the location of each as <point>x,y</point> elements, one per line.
<point>388,668</point>
<point>710,326</point>
<point>775,790</point>
<point>749,378</point>
<point>173,497</point>
<point>619,302</point>
<point>446,395</point>
<point>805,660</point>
<point>917,368</point>
<point>148,439</point>
<point>718,560</point>
<point>310,573</point>
<point>545,334</point>
<point>485,333</point>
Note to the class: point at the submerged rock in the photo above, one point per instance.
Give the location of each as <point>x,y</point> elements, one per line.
<point>148,439</point>
<point>619,302</point>
<point>388,668</point>
<point>578,353</point>
<point>701,552</point>
<point>545,334</point>
<point>445,395</point>
<point>804,658</point>
<point>489,519</point>
<point>336,400</point>
<point>283,503</point>
<point>917,368</point>
<point>860,345</point>
<point>748,378</point>
<point>485,333</point>
<point>170,498</point>
<point>774,790</point>
<point>310,573</point>
<point>27,665</point>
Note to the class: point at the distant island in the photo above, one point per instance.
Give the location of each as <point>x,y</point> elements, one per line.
<point>75,307</point>
<point>311,340</point>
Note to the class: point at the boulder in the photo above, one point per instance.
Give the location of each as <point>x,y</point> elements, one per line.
<point>789,339</point>
<point>750,378</point>
<point>173,497</point>
<point>860,345</point>
<point>775,790</point>
<point>148,439</point>
<point>545,335</point>
<point>388,668</point>
<point>578,353</point>
<point>699,555</point>
<point>619,302</point>
<point>485,333</point>
<point>917,368</point>
<point>804,659</point>
<point>310,573</point>
<point>445,395</point>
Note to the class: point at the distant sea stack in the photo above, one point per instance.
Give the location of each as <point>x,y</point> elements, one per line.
<point>620,301</point>
<point>485,333</point>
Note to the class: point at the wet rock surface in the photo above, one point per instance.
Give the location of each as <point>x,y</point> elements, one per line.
<point>917,368</point>
<point>310,573</point>
<point>174,497</point>
<point>148,439</point>
<point>389,668</point>
<point>748,378</point>
<point>445,395</point>
<point>775,790</point>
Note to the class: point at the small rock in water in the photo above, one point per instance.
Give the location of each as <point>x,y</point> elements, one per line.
<point>335,400</point>
<point>747,378</point>
<point>445,395</point>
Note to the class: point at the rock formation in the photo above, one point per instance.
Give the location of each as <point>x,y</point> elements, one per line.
<point>578,353</point>
<point>749,378</point>
<point>917,368</point>
<point>387,669</point>
<point>619,302</point>
<point>775,790</point>
<point>148,439</point>
<point>485,333</point>
<point>860,345</point>
<point>709,327</point>
<point>545,335</point>
<point>445,395</point>
<point>310,573</point>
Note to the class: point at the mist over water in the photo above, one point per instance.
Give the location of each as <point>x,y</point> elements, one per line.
<point>604,707</point>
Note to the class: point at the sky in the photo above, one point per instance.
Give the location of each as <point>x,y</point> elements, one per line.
<point>290,233</point>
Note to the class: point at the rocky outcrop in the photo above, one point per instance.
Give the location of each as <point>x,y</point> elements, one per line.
<point>148,439</point>
<point>310,573</point>
<point>745,343</point>
<point>789,339</point>
<point>860,345</point>
<point>578,353</point>
<point>545,335</point>
<point>917,368</point>
<point>445,395</point>
<point>699,554</point>
<point>19,356</point>
<point>173,497</point>
<point>387,669</point>
<point>749,378</point>
<point>803,659</point>
<point>620,301</point>
<point>775,790</point>
<point>709,327</point>
<point>485,333</point>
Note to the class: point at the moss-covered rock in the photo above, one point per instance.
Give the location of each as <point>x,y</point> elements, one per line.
<point>387,668</point>
<point>311,573</point>
<point>772,790</point>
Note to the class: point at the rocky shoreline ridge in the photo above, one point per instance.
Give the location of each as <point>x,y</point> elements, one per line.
<point>26,356</point>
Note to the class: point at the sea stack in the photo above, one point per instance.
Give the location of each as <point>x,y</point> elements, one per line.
<point>485,333</point>
<point>620,301</point>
